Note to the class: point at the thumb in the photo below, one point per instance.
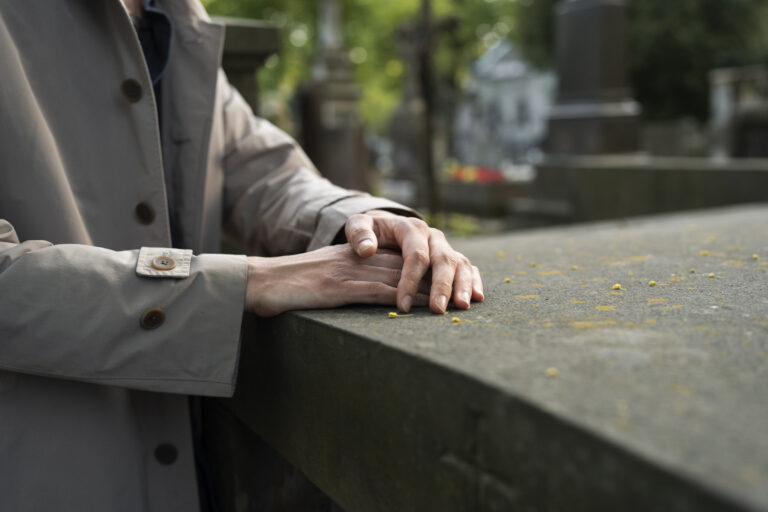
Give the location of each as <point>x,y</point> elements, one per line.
<point>359,232</point>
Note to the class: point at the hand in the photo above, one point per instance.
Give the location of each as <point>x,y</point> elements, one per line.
<point>423,248</point>
<point>325,278</point>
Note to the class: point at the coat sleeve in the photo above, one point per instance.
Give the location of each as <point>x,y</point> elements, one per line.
<point>276,202</point>
<point>75,312</point>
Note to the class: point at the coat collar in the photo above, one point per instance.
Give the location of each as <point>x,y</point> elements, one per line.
<point>189,92</point>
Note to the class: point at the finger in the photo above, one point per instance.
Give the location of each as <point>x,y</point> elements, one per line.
<point>462,285</point>
<point>414,241</point>
<point>444,261</point>
<point>388,276</point>
<point>386,259</point>
<point>360,235</point>
<point>361,292</point>
<point>477,285</point>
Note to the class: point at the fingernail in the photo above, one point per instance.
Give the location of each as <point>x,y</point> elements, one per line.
<point>442,302</point>
<point>407,301</point>
<point>364,245</point>
<point>464,296</point>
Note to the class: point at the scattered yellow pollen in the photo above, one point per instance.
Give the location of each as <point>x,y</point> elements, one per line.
<point>692,271</point>
<point>550,272</point>
<point>703,253</point>
<point>591,324</point>
<point>392,314</point>
<point>577,301</point>
<point>755,257</point>
<point>500,254</point>
<point>456,320</point>
<point>615,293</point>
<point>617,286</point>
<point>533,263</point>
<point>605,308</point>
<point>576,267</point>
<point>650,320</point>
<point>711,274</point>
<point>675,279</point>
<point>657,300</point>
<point>506,279</point>
<point>651,283</point>
<point>533,296</point>
<point>547,324</point>
<point>552,372</point>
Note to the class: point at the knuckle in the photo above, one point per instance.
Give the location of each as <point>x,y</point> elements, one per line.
<point>463,260</point>
<point>420,256</point>
<point>447,258</point>
<point>421,225</point>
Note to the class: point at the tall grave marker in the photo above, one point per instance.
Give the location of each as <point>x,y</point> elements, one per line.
<point>594,112</point>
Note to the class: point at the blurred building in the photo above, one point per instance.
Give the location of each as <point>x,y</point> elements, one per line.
<point>502,116</point>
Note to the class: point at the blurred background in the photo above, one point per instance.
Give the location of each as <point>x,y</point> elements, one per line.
<point>491,115</point>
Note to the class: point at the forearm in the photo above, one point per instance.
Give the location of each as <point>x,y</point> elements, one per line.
<point>79,312</point>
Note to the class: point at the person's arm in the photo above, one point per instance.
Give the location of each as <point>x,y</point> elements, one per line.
<point>86,313</point>
<point>277,203</point>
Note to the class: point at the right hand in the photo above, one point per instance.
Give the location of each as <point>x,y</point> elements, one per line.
<point>326,278</point>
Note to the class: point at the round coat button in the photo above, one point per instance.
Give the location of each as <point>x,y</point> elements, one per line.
<point>164,263</point>
<point>152,319</point>
<point>166,454</point>
<point>145,213</point>
<point>131,90</point>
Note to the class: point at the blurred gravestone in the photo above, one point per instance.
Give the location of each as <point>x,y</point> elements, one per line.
<point>594,112</point>
<point>332,134</point>
<point>738,102</point>
<point>739,111</point>
<point>247,44</point>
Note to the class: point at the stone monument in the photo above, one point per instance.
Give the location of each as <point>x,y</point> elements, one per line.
<point>332,134</point>
<point>594,112</point>
<point>247,44</point>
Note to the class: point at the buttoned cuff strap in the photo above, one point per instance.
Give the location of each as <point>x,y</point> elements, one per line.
<point>164,262</point>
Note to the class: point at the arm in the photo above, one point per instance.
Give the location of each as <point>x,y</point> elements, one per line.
<point>75,312</point>
<point>275,200</point>
<point>269,177</point>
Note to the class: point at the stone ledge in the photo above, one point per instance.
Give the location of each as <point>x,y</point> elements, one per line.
<point>657,401</point>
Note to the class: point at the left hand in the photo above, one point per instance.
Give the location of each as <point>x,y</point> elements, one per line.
<point>423,249</point>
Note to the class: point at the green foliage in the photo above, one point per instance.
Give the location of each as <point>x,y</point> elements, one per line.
<point>672,45</point>
<point>370,34</point>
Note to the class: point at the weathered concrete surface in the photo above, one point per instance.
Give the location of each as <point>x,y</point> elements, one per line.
<point>658,402</point>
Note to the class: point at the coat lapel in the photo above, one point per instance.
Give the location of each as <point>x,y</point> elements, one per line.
<point>189,94</point>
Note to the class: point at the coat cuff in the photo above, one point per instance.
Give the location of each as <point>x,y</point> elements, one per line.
<point>333,217</point>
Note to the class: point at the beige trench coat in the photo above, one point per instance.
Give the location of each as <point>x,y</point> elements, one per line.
<point>87,394</point>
